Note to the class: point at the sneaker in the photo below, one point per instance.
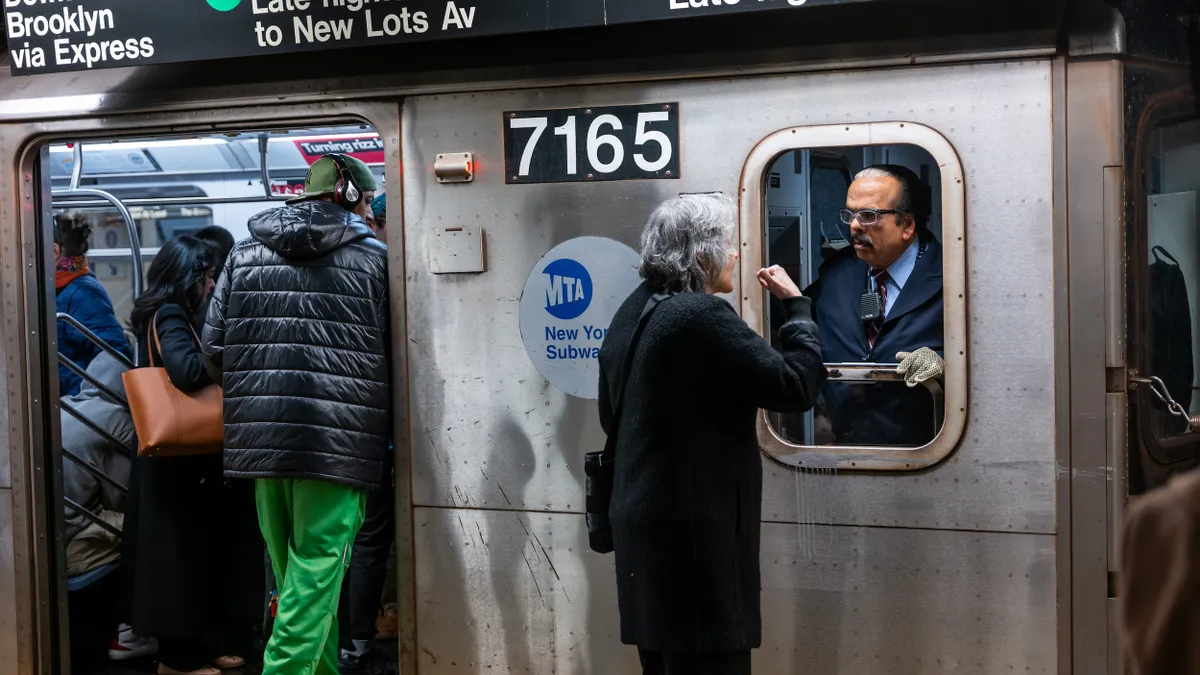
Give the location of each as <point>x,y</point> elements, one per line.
<point>373,662</point>
<point>125,646</point>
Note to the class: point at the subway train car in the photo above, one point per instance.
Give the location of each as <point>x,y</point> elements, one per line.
<point>523,144</point>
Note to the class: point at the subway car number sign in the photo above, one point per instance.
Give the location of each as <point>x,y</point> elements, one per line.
<point>632,142</point>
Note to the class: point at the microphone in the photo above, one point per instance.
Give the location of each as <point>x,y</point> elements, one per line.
<point>870,308</point>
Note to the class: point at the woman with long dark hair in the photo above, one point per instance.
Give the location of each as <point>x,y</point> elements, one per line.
<point>190,581</point>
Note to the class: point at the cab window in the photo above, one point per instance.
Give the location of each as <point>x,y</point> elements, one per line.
<point>1169,301</point>
<point>862,229</point>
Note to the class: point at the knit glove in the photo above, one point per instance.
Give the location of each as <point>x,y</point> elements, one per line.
<point>921,365</point>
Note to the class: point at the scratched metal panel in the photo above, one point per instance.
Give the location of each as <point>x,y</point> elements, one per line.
<point>501,591</point>
<point>8,589</point>
<point>491,432</point>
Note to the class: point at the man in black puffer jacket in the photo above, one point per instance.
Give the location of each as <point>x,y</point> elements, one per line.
<point>298,325</point>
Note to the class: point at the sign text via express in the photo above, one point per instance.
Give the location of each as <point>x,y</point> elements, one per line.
<point>592,144</point>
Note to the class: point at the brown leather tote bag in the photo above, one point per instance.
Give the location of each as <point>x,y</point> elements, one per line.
<point>170,423</point>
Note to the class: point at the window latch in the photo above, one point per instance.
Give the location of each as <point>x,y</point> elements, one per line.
<point>1160,391</point>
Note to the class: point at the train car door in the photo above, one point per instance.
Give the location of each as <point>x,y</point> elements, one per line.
<point>70,606</point>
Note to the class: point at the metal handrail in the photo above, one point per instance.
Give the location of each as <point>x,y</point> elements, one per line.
<point>120,254</point>
<point>95,471</point>
<point>130,226</point>
<point>135,243</point>
<point>177,201</point>
<point>263,142</point>
<point>104,389</point>
<point>93,338</point>
<point>77,167</point>
<point>873,373</point>
<point>74,412</point>
<point>93,518</point>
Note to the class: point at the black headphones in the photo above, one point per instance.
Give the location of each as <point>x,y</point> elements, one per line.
<point>347,194</point>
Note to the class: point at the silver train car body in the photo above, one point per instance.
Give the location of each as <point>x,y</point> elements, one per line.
<point>998,558</point>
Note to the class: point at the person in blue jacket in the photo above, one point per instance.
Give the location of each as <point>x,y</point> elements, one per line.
<point>80,294</point>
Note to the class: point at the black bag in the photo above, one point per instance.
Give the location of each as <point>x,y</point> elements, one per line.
<point>1171,357</point>
<point>598,466</point>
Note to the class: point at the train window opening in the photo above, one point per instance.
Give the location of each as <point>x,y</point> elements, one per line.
<point>873,233</point>
<point>113,202</point>
<point>838,264</point>
<point>1170,315</point>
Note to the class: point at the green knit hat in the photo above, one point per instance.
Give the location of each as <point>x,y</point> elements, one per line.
<point>323,177</point>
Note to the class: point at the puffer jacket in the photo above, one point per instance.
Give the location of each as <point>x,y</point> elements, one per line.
<point>298,326</point>
<point>85,300</point>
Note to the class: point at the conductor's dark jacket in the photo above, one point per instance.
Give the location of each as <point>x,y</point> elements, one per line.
<point>890,414</point>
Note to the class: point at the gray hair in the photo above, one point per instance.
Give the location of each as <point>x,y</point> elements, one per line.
<point>685,245</point>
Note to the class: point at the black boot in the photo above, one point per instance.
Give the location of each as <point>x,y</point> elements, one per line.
<point>372,662</point>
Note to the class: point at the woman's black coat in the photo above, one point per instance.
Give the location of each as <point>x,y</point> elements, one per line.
<point>687,495</point>
<point>198,551</point>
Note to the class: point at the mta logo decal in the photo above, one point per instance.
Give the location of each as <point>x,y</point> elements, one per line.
<point>223,5</point>
<point>568,289</point>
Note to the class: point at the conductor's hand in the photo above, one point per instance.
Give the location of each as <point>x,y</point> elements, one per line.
<point>921,365</point>
<point>777,281</point>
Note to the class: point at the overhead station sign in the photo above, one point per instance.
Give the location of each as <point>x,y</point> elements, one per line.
<point>47,36</point>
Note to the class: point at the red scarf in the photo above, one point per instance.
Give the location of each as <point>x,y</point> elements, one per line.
<point>69,269</point>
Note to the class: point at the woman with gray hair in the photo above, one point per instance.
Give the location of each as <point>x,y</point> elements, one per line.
<point>681,380</point>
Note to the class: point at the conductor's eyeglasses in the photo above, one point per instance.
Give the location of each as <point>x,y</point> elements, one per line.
<point>864,216</point>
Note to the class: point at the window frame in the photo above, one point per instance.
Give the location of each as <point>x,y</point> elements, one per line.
<point>752,232</point>
<point>1167,452</point>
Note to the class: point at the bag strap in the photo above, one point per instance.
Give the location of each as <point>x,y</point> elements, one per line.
<point>158,343</point>
<point>1158,250</point>
<point>619,394</point>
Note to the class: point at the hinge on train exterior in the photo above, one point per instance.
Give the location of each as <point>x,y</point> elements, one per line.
<point>1160,391</point>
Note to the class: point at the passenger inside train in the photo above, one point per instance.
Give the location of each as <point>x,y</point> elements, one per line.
<point>80,295</point>
<point>360,606</point>
<point>299,328</point>
<point>859,228</point>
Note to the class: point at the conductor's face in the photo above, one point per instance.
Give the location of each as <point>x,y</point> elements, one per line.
<point>879,233</point>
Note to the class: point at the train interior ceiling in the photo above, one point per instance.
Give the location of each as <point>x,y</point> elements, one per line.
<point>137,193</point>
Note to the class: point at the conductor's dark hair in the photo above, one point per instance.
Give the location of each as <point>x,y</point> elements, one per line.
<point>914,194</point>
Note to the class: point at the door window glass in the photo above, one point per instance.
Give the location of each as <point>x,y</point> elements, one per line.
<point>1172,256</point>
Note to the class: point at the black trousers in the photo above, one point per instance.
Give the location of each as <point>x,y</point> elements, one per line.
<point>694,663</point>
<point>362,589</point>
<point>184,654</point>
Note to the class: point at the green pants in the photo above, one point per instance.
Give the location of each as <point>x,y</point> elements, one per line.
<point>309,527</point>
